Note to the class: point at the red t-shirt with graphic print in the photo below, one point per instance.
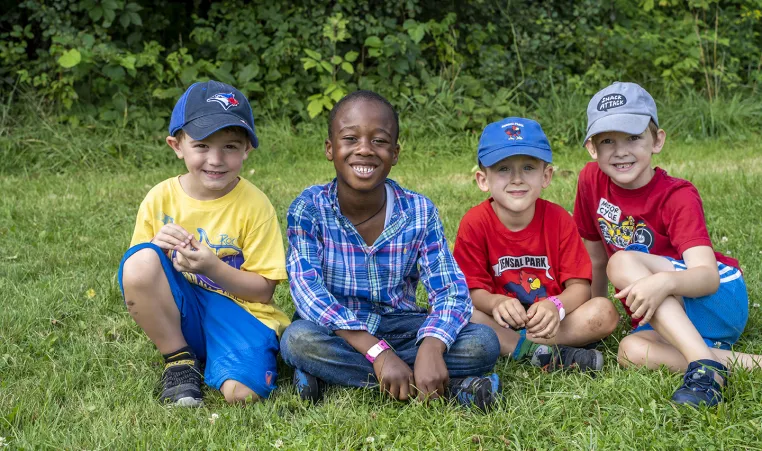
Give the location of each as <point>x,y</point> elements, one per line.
<point>528,265</point>
<point>665,216</point>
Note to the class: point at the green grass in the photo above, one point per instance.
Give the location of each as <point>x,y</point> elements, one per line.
<point>77,373</point>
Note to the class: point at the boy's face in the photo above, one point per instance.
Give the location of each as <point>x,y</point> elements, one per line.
<point>363,144</point>
<point>213,163</point>
<point>626,158</point>
<point>516,182</point>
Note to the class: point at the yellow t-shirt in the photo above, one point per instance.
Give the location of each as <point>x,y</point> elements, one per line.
<point>240,227</point>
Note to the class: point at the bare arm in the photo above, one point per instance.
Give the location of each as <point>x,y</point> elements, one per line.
<point>246,285</point>
<point>700,279</point>
<point>576,292</point>
<point>600,285</point>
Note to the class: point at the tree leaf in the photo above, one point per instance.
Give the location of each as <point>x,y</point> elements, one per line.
<point>327,66</point>
<point>313,54</point>
<point>70,59</point>
<point>336,60</point>
<point>315,107</point>
<point>347,68</point>
<point>373,41</point>
<point>351,56</point>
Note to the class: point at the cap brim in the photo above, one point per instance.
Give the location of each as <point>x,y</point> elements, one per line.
<point>626,123</point>
<point>493,157</point>
<point>204,126</point>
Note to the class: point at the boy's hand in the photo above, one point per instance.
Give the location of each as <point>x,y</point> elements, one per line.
<point>194,258</point>
<point>544,320</point>
<point>644,296</point>
<point>510,313</point>
<point>394,375</point>
<point>171,235</point>
<point>430,370</point>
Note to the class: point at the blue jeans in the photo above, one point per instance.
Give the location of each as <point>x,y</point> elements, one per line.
<point>315,349</point>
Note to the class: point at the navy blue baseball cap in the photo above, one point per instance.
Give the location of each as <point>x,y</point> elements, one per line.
<point>513,136</point>
<point>207,107</point>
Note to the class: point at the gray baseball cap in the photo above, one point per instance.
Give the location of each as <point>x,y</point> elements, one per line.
<point>620,107</point>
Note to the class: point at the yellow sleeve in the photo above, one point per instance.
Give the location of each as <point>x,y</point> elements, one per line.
<point>144,223</point>
<point>263,251</point>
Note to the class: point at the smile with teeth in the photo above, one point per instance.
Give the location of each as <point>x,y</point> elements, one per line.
<point>623,165</point>
<point>363,170</point>
<point>215,174</point>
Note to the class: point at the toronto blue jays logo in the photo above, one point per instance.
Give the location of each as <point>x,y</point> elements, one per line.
<point>227,100</point>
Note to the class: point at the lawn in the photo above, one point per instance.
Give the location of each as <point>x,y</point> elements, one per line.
<point>77,373</point>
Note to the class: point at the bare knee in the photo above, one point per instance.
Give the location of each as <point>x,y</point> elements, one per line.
<point>604,319</point>
<point>479,317</point>
<point>140,272</point>
<point>633,351</point>
<point>620,266</point>
<point>236,392</point>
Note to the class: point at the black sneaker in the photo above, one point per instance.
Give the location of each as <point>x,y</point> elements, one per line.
<point>182,383</point>
<point>308,387</point>
<point>553,358</point>
<point>476,391</point>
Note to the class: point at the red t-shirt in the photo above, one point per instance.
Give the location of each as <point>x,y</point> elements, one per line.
<point>528,265</point>
<point>665,216</point>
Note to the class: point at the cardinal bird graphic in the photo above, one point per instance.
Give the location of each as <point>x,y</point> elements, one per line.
<point>528,290</point>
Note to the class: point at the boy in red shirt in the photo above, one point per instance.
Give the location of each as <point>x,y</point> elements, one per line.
<point>688,303</point>
<point>524,261</point>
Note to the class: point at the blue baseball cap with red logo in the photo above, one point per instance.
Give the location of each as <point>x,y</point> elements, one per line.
<point>207,107</point>
<point>513,136</point>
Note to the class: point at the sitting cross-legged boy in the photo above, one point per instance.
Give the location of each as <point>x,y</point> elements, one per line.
<point>524,261</point>
<point>645,231</point>
<point>206,256</point>
<point>358,247</point>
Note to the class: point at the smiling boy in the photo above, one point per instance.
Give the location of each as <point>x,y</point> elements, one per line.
<point>358,247</point>
<point>526,267</point>
<point>645,231</point>
<point>208,299</point>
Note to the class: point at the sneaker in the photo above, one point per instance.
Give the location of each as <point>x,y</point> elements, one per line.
<point>476,391</point>
<point>182,383</point>
<point>308,387</point>
<point>553,358</point>
<point>699,385</point>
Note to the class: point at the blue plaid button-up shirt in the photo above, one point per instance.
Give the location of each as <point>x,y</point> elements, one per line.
<point>338,281</point>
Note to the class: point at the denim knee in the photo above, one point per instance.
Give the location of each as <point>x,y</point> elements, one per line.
<point>479,345</point>
<point>301,339</point>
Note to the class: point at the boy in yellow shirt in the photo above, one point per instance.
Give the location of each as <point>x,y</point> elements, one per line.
<point>206,255</point>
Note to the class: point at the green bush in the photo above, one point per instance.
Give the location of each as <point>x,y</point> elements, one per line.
<point>126,61</point>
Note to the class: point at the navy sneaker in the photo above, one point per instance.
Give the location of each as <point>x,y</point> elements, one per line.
<point>699,385</point>
<point>476,391</point>
<point>553,358</point>
<point>308,387</point>
<point>182,382</point>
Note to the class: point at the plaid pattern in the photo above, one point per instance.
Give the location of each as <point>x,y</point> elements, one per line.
<point>338,281</point>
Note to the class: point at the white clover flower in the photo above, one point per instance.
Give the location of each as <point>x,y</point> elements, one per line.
<point>576,397</point>
<point>641,410</point>
<point>3,443</point>
<point>756,305</point>
<point>370,439</point>
<point>724,239</point>
<point>278,444</point>
<point>213,418</point>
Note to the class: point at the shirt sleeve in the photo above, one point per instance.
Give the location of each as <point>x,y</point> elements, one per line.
<point>574,262</point>
<point>263,250</point>
<point>471,253</point>
<point>683,216</point>
<point>311,297</point>
<point>584,216</point>
<point>144,230</point>
<point>449,301</point>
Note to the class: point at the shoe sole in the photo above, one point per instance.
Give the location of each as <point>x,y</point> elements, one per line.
<point>188,402</point>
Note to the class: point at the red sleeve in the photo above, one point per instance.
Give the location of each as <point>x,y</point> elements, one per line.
<point>683,217</point>
<point>584,211</point>
<point>574,261</point>
<point>471,250</point>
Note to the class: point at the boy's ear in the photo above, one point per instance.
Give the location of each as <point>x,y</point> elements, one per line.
<point>661,138</point>
<point>247,151</point>
<point>396,153</point>
<point>328,149</point>
<point>174,143</point>
<point>481,180</point>
<point>591,149</point>
<point>547,175</point>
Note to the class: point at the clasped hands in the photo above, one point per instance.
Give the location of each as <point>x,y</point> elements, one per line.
<point>429,380</point>
<point>189,255</point>
<point>541,319</point>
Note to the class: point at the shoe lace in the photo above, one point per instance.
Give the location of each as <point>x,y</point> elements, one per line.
<point>699,379</point>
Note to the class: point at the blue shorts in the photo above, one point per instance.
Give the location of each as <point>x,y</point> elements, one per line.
<point>233,343</point>
<point>720,318</point>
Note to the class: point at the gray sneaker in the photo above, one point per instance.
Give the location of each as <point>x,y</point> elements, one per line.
<point>553,358</point>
